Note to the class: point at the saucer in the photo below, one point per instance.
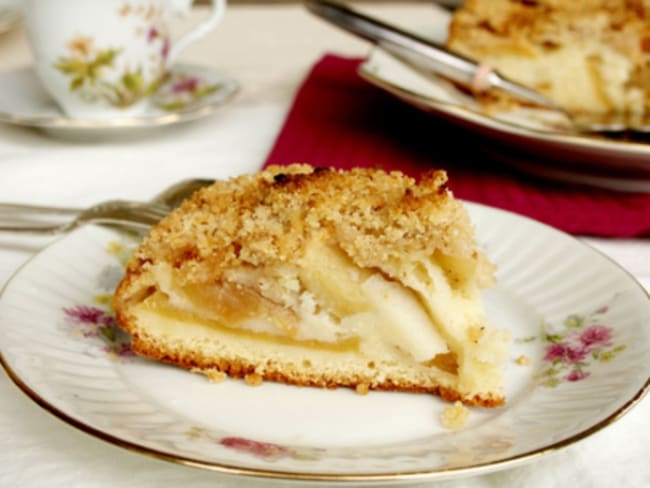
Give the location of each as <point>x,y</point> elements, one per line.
<point>191,92</point>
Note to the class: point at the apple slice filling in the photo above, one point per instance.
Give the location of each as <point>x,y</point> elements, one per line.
<point>424,313</point>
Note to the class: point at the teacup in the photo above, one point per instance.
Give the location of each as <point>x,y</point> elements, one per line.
<point>105,58</point>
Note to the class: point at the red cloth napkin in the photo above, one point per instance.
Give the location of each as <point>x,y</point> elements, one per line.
<point>338,119</point>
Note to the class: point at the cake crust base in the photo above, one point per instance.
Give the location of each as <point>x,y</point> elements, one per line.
<point>151,347</point>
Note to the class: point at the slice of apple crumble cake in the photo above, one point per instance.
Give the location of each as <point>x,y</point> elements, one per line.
<point>320,277</point>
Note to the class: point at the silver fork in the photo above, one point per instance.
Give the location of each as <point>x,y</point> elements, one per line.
<point>24,214</point>
<point>119,213</point>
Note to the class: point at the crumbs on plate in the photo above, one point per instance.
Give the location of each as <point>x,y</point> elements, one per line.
<point>213,375</point>
<point>253,379</point>
<point>454,416</point>
<point>362,389</point>
<point>523,360</point>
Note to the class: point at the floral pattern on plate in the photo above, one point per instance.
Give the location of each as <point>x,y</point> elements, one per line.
<point>571,347</point>
<point>96,322</point>
<point>569,352</point>
<point>98,325</point>
<point>264,450</point>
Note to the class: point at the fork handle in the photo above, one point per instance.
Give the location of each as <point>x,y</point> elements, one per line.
<point>20,208</point>
<point>33,229</point>
<point>58,229</point>
<point>15,214</point>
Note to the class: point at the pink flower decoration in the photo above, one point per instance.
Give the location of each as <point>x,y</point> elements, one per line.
<point>261,449</point>
<point>120,349</point>
<point>152,34</point>
<point>571,351</point>
<point>186,85</point>
<point>554,351</point>
<point>87,315</point>
<point>96,323</point>
<point>577,375</point>
<point>164,52</point>
<point>596,335</point>
<point>575,354</point>
<point>568,352</point>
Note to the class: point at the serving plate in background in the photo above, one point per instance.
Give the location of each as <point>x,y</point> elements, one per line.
<point>535,140</point>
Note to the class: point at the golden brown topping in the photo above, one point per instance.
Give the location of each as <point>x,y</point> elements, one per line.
<point>547,23</point>
<point>270,217</point>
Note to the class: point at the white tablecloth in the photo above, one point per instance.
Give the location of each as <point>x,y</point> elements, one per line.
<point>38,449</point>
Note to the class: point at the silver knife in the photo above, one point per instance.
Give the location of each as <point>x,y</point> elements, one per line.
<point>422,53</point>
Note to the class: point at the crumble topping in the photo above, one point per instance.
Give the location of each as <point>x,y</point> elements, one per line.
<point>592,57</point>
<point>270,217</point>
<point>538,25</point>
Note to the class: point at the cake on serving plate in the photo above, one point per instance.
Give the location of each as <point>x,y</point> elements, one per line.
<point>592,57</point>
<point>320,277</point>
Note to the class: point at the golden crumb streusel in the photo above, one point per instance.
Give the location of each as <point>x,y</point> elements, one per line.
<point>454,416</point>
<point>588,56</point>
<point>268,218</point>
<point>534,26</point>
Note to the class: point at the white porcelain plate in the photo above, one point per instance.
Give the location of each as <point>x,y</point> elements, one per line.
<point>190,92</point>
<point>581,320</point>
<point>537,141</point>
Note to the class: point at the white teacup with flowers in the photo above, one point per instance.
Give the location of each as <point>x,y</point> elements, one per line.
<point>105,58</point>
